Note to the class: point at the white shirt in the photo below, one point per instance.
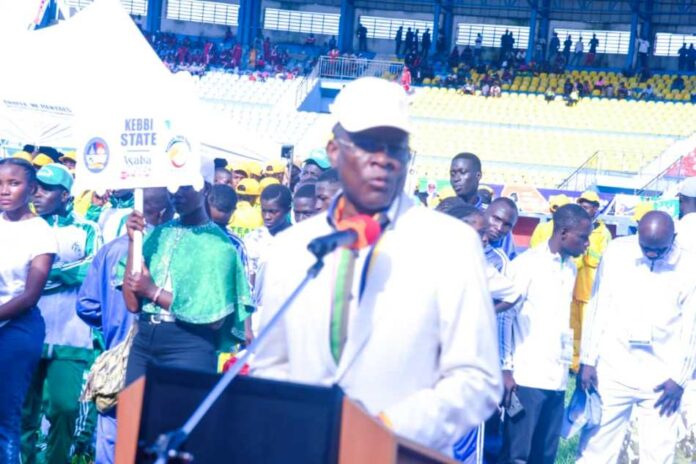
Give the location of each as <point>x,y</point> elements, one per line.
<point>542,319</point>
<point>112,223</point>
<point>579,46</point>
<point>686,232</point>
<point>640,325</point>
<point>422,344</point>
<point>20,243</point>
<point>643,46</point>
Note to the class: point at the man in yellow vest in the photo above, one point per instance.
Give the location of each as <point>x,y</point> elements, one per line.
<point>587,268</point>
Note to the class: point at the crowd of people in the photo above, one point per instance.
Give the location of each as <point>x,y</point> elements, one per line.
<point>470,358</point>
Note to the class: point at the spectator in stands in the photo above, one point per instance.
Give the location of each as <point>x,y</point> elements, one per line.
<point>399,39</point>
<point>540,49</point>
<point>406,79</point>
<point>609,90</point>
<point>495,90</point>
<point>567,43</point>
<point>454,57</point>
<point>238,174</point>
<point>311,40</point>
<point>550,94</point>
<point>648,93</point>
<point>304,202</point>
<point>362,38</point>
<point>677,84</point>
<point>408,43</point>
<point>622,92</point>
<point>477,49</point>
<point>416,39</point>
<point>691,60</point>
<point>426,42</point>
<point>540,344</point>
<point>643,48</point>
<point>573,97</point>
<point>332,42</point>
<point>594,43</point>
<point>683,58</point>
<point>485,88</point>
<point>327,186</point>
<point>554,47</point>
<point>578,52</point>
<point>567,88</point>
<point>600,83</point>
<point>467,57</point>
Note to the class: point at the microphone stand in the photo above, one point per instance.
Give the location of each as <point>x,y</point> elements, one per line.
<point>167,444</point>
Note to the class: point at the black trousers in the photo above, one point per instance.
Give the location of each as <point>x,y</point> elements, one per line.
<point>172,344</point>
<point>532,437</point>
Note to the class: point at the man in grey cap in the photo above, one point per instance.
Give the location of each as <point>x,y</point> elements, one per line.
<point>418,352</point>
<point>686,229</point>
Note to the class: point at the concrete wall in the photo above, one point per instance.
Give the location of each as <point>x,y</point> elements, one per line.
<point>193,29</point>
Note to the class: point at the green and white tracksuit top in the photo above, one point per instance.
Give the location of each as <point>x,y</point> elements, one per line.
<point>67,336</point>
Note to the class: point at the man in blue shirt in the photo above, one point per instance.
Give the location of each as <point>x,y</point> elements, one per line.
<point>100,303</point>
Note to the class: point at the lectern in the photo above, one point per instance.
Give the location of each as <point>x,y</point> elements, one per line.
<point>257,421</point>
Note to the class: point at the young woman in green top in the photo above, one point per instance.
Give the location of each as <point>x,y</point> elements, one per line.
<point>192,294</point>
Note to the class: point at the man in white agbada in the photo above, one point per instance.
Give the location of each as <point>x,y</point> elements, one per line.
<point>639,341</point>
<point>413,340</point>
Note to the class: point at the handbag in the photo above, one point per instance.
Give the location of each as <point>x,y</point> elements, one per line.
<point>107,376</point>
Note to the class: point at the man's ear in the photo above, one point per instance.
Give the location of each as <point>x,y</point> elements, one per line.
<point>333,152</point>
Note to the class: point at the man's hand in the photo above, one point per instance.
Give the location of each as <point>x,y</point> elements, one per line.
<point>510,386</point>
<point>587,377</point>
<point>671,397</point>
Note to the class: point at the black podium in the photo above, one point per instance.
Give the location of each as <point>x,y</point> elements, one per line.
<point>257,421</point>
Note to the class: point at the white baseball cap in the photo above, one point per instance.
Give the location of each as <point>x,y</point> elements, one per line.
<point>688,187</point>
<point>371,102</point>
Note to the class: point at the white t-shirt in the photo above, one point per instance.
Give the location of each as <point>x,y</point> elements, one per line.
<point>20,243</point>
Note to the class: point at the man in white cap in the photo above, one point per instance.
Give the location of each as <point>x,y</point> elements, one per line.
<point>686,229</point>
<point>639,341</point>
<point>417,350</point>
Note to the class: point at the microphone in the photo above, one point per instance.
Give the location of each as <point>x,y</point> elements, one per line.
<point>355,233</point>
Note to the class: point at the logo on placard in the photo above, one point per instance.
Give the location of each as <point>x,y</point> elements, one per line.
<point>178,151</point>
<point>96,155</point>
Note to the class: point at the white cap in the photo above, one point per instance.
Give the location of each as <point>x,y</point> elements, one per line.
<point>688,187</point>
<point>371,102</point>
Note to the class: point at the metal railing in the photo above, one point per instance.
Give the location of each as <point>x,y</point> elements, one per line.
<point>346,68</point>
<point>306,85</point>
<point>669,177</point>
<point>353,68</point>
<point>669,168</point>
<point>584,176</point>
